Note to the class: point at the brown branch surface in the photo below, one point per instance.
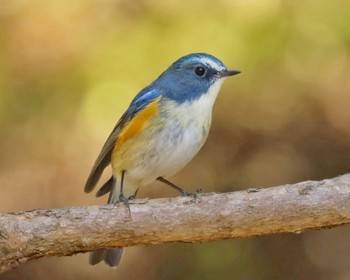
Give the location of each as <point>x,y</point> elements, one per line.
<point>62,232</point>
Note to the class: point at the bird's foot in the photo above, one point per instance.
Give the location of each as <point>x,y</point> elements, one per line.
<point>125,200</point>
<point>132,197</point>
<point>195,195</point>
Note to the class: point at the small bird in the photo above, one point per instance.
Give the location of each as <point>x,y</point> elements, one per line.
<point>164,127</point>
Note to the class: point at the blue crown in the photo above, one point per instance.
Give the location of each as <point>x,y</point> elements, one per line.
<point>197,57</point>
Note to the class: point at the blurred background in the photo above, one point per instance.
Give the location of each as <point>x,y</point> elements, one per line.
<point>69,69</point>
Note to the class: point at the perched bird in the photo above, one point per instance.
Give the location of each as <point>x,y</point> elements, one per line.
<point>164,127</point>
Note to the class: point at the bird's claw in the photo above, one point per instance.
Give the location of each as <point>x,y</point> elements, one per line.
<point>195,195</point>
<point>132,197</point>
<point>125,200</point>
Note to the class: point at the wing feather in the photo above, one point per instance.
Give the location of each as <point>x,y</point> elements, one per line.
<point>145,97</point>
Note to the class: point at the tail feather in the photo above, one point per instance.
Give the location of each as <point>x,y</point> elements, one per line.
<point>97,256</point>
<point>111,257</point>
<point>107,187</point>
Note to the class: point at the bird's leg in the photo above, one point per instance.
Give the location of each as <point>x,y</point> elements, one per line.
<point>132,197</point>
<point>122,198</point>
<point>139,201</point>
<point>182,191</point>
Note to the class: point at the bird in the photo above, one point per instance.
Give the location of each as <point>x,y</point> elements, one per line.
<point>163,128</point>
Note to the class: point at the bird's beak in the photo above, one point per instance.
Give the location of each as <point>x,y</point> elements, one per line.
<point>227,73</point>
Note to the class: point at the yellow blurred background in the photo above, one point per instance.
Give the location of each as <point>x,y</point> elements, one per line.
<point>68,70</point>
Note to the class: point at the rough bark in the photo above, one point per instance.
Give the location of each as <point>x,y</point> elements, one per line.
<point>62,232</point>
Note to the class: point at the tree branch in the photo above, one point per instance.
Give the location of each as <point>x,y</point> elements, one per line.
<point>62,232</point>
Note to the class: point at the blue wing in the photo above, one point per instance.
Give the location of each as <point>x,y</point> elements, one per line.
<point>141,100</point>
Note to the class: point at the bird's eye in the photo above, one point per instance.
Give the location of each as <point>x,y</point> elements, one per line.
<point>200,71</point>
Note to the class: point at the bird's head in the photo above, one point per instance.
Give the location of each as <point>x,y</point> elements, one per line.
<point>192,76</point>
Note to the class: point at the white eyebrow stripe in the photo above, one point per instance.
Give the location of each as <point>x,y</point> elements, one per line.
<point>212,64</point>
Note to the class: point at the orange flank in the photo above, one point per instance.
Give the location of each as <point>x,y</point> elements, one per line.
<point>136,125</point>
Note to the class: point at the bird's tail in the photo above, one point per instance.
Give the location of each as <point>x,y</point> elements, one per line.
<point>111,257</point>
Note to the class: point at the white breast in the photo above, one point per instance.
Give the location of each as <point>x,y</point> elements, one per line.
<point>185,130</point>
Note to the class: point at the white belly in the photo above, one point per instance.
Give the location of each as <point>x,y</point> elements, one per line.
<point>168,153</point>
